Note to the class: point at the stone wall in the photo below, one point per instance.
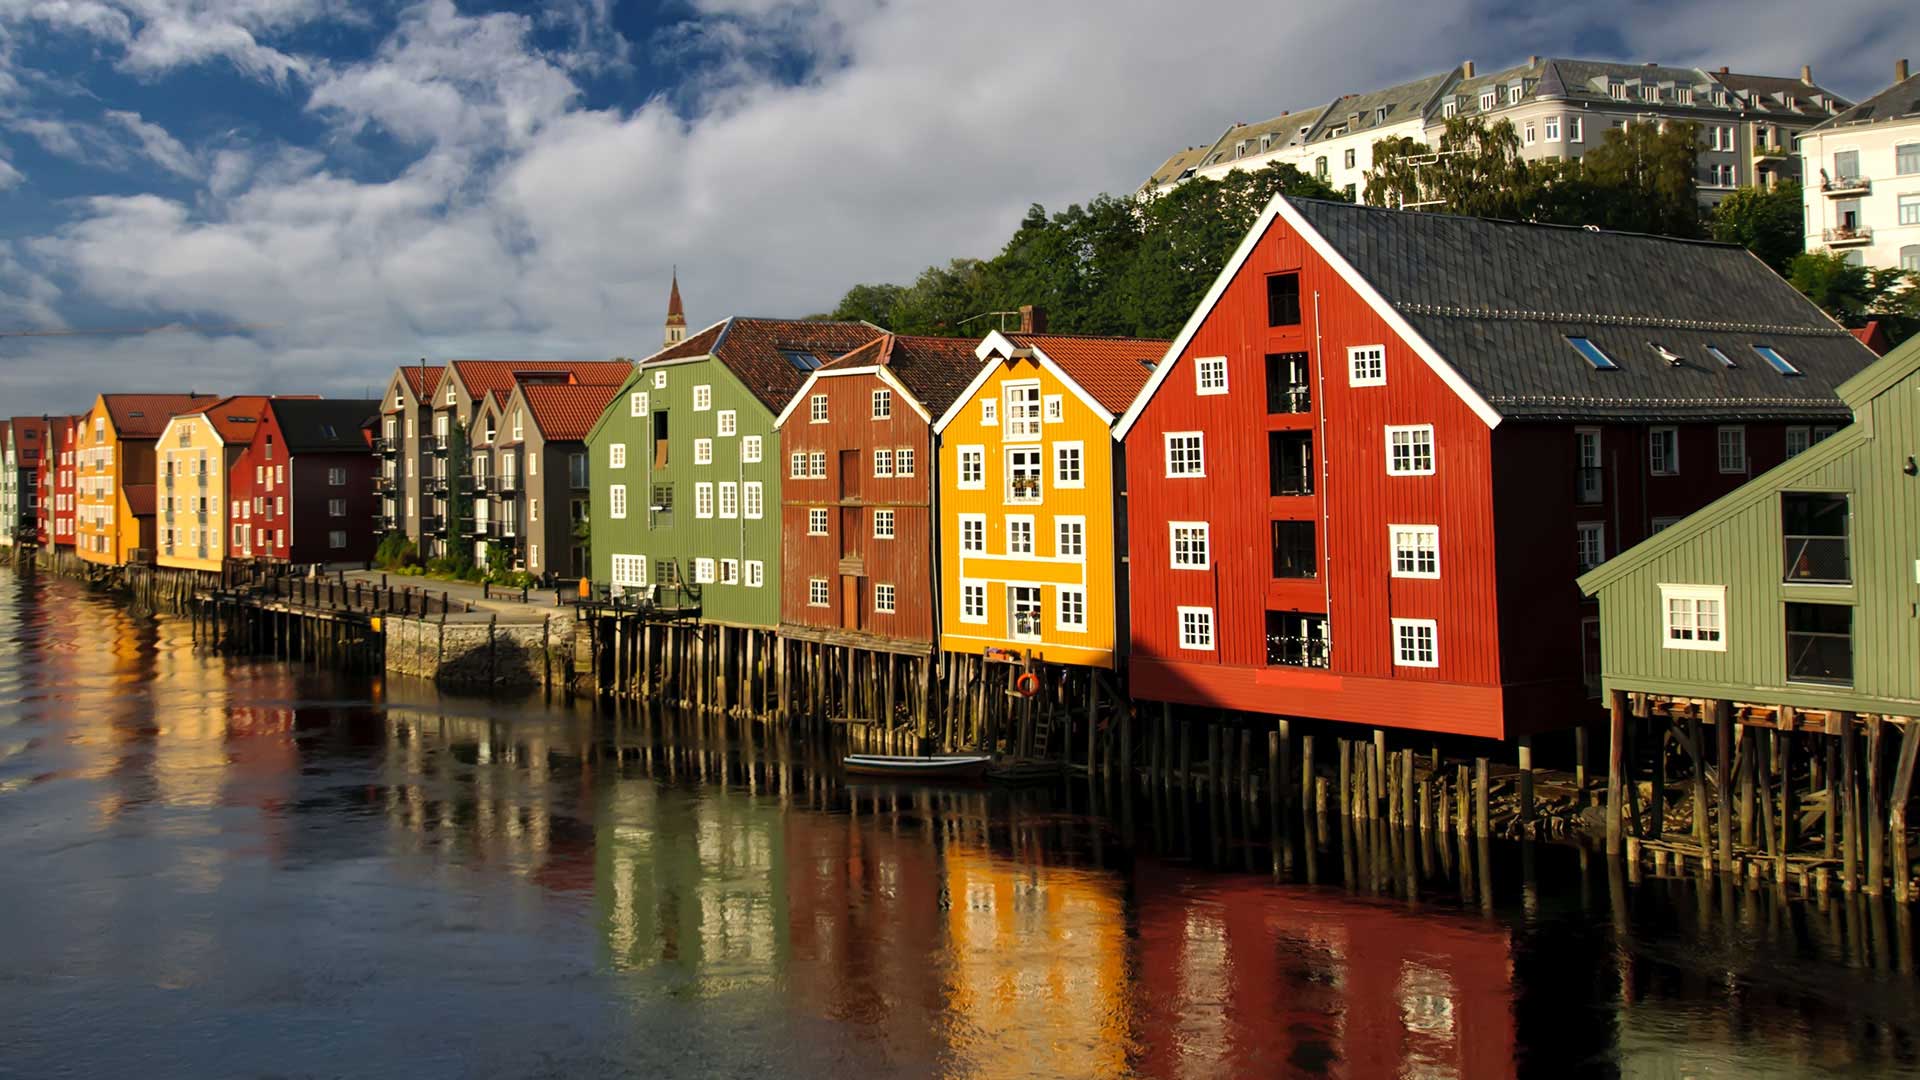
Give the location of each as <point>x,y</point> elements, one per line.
<point>479,652</point>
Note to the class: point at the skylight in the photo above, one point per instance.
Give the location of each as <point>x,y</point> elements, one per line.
<point>803,361</point>
<point>1778,362</point>
<point>1600,360</point>
<point>1665,353</point>
<point>1714,351</point>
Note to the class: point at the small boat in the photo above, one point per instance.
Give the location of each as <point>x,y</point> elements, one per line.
<point>944,768</point>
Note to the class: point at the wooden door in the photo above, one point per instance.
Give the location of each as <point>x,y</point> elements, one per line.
<point>850,607</point>
<point>849,474</point>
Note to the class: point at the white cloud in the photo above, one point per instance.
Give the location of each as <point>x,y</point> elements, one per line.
<point>156,144</point>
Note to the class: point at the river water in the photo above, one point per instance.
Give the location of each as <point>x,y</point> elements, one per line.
<point>217,866</point>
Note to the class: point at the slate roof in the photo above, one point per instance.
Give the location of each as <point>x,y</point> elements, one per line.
<point>1498,300</point>
<point>1777,93</point>
<point>145,416</point>
<point>1901,101</point>
<point>1285,129</point>
<point>936,370</point>
<point>1111,369</point>
<point>1360,112</point>
<point>755,351</point>
<point>481,378</point>
<point>322,426</point>
<point>1177,165</point>
<point>567,413</point>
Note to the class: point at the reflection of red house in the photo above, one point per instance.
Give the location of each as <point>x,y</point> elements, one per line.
<point>1250,979</point>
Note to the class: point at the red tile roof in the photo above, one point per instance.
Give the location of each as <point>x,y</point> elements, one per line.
<point>236,419</point>
<point>145,416</point>
<point>31,434</point>
<point>1873,336</point>
<point>140,499</point>
<point>762,353</point>
<point>1111,369</point>
<point>566,413</point>
<point>936,370</point>
<point>498,377</point>
<point>422,379</point>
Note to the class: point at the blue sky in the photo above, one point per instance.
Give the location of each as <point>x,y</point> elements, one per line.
<point>353,185</point>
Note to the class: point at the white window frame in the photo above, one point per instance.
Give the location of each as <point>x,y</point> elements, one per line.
<point>817,464</point>
<point>616,455</point>
<point>1401,658</point>
<point>660,379</point>
<point>702,397</point>
<point>883,524</point>
<point>1203,619</point>
<point>989,412</point>
<point>703,571</point>
<point>1801,435</point>
<point>753,500</point>
<point>1433,455</point>
<point>882,462</point>
<point>819,594</point>
<point>797,465</point>
<point>1366,365</point>
<point>1672,467</point>
<point>726,422</point>
<point>1692,595</point>
<point>1739,431</point>
<point>729,499</point>
<point>1017,426</point>
<point>729,571</point>
<point>1061,523</point>
<point>703,451</point>
<point>1205,529</point>
<point>637,403</point>
<point>1079,450</point>
<point>1060,621</point>
<point>750,450</point>
<point>1209,376</point>
<point>882,399</point>
<point>884,598</point>
<point>978,455</point>
<point>756,573</point>
<point>630,571</point>
<point>980,522</point>
<point>1431,533</point>
<point>817,409</point>
<point>1200,448</point>
<point>1596,531</point>
<point>703,499</point>
<point>819,514</point>
<point>1053,409</point>
<point>903,461</point>
<point>616,502</point>
<point>972,589</point>
<point>1020,519</point>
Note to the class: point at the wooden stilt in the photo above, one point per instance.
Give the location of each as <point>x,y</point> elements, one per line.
<point>1344,748</point>
<point>1306,774</point>
<point>1377,774</point>
<point>1723,780</point>
<point>1876,801</point>
<point>1526,784</point>
<point>1696,749</point>
<point>1897,816</point>
<point>1481,827</point>
<point>1616,767</point>
<point>1849,808</point>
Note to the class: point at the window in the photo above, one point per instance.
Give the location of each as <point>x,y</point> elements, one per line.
<point>1695,617</point>
<point>989,412</point>
<point>1067,465</point>
<point>817,409</point>
<point>817,464</point>
<point>1906,159</point>
<point>1733,449</point>
<point>630,571</point>
<point>883,463</point>
<point>617,501</point>
<point>816,521</point>
<point>1189,543</point>
<point>1196,628</point>
<point>797,465</point>
<point>1367,365</point>
<point>1910,258</point>
<point>973,468</point>
<point>702,398</point>
<point>1055,410</point>
<point>1797,441</point>
<point>1416,550</point>
<point>337,539</point>
<point>883,524</point>
<point>1600,360</point>
<point>660,380</point>
<point>1775,360</point>
<point>903,461</point>
<point>703,571</point>
<point>1488,99</point>
<point>662,504</point>
<point>729,571</point>
<point>336,477</point>
<point>973,532</point>
<point>1283,299</point>
<point>1551,129</point>
<point>636,406</point>
<point>756,573</point>
<point>335,508</point>
<point>729,499</point>
<point>617,456</point>
<point>1591,537</point>
<point>883,599</point>
<point>1210,375</point>
<point>1070,537</point>
<point>1347,159</point>
<point>817,592</point>
<point>1909,207</point>
<point>1586,442</point>
<point>703,500</point>
<point>1813,526</point>
<point>703,451</point>
<point>1185,454</point>
<point>1020,534</point>
<point>726,422</point>
<point>1663,451</point>
<point>1023,474</point>
<point>577,471</point>
<point>1414,643</point>
<point>750,450</point>
<point>1820,643</point>
<point>1725,360</point>
<point>1529,135</point>
<point>1023,410</point>
<point>753,495</point>
<point>1410,450</point>
<point>883,404</point>
<point>1576,129</point>
<point>1071,614</point>
<point>973,602</point>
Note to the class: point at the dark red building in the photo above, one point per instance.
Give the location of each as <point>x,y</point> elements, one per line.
<point>319,512</point>
<point>871,466</point>
<point>1386,443</point>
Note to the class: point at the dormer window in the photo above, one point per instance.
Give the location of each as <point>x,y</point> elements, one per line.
<point>1617,90</point>
<point>1449,109</point>
<point>1649,92</point>
<point>1380,115</point>
<point>1683,95</point>
<point>1515,93</point>
<point>1488,100</point>
<point>1240,149</point>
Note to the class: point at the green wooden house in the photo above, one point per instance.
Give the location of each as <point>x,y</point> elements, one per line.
<point>686,466</point>
<point>1800,588</point>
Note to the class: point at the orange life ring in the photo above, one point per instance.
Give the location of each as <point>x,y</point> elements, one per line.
<point>1028,684</point>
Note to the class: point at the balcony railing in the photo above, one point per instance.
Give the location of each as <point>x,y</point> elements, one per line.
<point>385,446</point>
<point>1288,651</point>
<point>1817,560</point>
<point>429,523</point>
<point>1587,486</point>
<point>1846,185</point>
<point>436,483</point>
<point>479,482</point>
<point>509,482</point>
<point>1843,236</point>
<point>440,444</point>
<point>1023,489</point>
<point>469,528</point>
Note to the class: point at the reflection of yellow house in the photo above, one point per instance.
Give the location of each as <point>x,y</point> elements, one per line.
<point>1029,497</point>
<point>194,457</point>
<point>114,477</point>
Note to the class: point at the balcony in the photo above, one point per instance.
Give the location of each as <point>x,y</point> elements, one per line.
<point>468,527</point>
<point>478,483</point>
<point>1847,236</point>
<point>385,482</point>
<point>1839,187</point>
<point>429,523</point>
<point>386,445</point>
<point>436,483</point>
<point>481,528</point>
<point>507,530</point>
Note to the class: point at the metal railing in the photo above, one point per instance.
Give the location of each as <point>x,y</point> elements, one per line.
<point>1843,235</point>
<point>1846,185</point>
<point>1818,560</point>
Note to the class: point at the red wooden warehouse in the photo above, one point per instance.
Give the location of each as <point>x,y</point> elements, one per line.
<point>1364,480</point>
<point>865,574</point>
<point>303,490</point>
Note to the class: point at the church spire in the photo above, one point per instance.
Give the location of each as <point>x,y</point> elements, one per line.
<point>676,315</point>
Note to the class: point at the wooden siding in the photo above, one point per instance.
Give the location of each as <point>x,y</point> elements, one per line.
<point>177,505</point>
<point>1095,501</point>
<point>688,537</point>
<point>1738,543</point>
<point>1355,501</point>
<point>850,555</point>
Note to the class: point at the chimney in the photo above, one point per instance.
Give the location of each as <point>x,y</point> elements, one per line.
<point>1723,69</point>
<point>1533,61</point>
<point>1900,70</point>
<point>1466,70</point>
<point>1033,320</point>
<point>1806,74</point>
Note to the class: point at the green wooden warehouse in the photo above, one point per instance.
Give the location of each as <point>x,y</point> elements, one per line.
<point>1789,609</point>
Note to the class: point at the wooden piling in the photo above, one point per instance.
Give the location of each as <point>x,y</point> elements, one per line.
<point>1723,780</point>
<point>1616,767</point>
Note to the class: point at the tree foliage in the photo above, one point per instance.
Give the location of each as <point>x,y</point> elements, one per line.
<point>1850,292</point>
<point>1116,265</point>
<point>1771,224</point>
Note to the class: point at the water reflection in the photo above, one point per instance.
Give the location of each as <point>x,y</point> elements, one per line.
<point>237,866</point>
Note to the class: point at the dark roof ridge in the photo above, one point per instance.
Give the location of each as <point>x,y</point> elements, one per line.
<point>1701,242</point>
<point>1445,311</point>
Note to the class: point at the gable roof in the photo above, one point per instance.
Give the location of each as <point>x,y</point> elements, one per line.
<point>235,420</point>
<point>496,378</point>
<point>930,373</point>
<point>311,425</point>
<point>1901,101</point>
<point>422,379</point>
<point>145,416</point>
<point>1177,165</point>
<point>566,413</point>
<point>1105,373</point>
<point>1489,306</point>
<point>756,351</point>
<point>26,429</point>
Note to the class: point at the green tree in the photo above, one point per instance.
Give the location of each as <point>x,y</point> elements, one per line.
<point>869,303</point>
<point>1771,224</point>
<point>1644,175</point>
<point>1474,169</point>
<point>1850,292</point>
